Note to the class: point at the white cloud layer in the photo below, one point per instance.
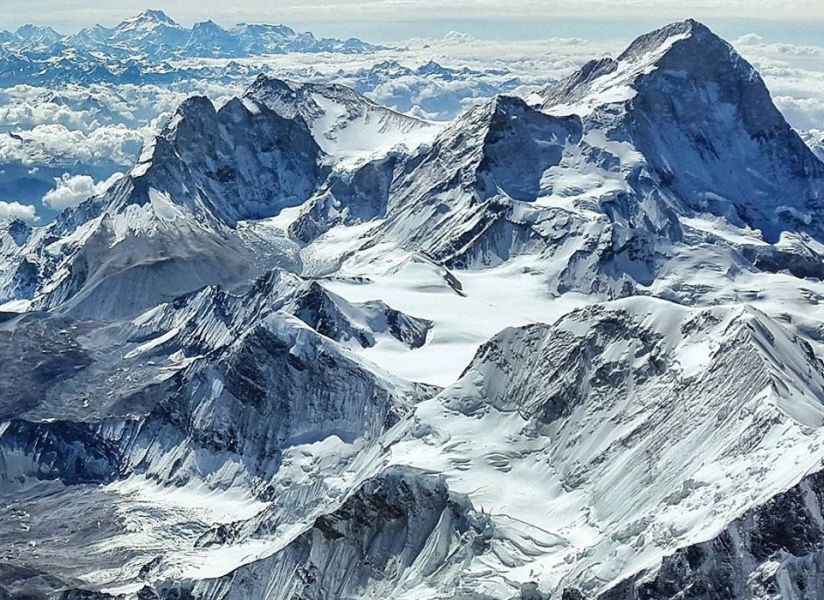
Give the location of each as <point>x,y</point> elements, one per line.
<point>10,211</point>
<point>72,190</point>
<point>794,74</point>
<point>97,129</point>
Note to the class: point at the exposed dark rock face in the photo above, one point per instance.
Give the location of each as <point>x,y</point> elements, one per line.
<point>396,527</point>
<point>197,161</point>
<point>704,121</point>
<point>350,198</point>
<point>775,551</point>
<point>332,316</point>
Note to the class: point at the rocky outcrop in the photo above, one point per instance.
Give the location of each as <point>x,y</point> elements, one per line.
<point>774,551</point>
<point>397,531</point>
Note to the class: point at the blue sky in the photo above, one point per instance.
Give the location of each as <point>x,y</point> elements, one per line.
<point>797,21</point>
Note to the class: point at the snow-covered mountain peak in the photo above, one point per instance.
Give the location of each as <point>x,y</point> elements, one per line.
<point>280,31</point>
<point>279,95</point>
<point>38,35</point>
<point>193,115</point>
<point>704,59</point>
<point>685,45</point>
<point>150,33</point>
<point>504,106</point>
<point>517,144</point>
<point>814,138</point>
<point>505,111</point>
<point>180,206</point>
<point>469,196</point>
<point>18,227</point>
<point>193,118</point>
<point>148,19</point>
<point>704,122</point>
<point>207,28</point>
<point>505,135</point>
<point>289,98</point>
<point>267,161</point>
<point>208,25</point>
<point>346,124</point>
<point>18,231</point>
<point>660,40</point>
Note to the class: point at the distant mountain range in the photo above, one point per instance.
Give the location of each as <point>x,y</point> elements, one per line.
<point>153,36</point>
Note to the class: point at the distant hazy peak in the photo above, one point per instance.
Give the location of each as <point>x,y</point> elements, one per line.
<point>151,16</point>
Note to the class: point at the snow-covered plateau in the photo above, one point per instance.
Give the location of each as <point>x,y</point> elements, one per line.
<point>564,346</point>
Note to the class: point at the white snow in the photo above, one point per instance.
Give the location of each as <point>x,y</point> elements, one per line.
<point>355,141</point>
<point>163,206</point>
<point>493,299</point>
<point>199,501</point>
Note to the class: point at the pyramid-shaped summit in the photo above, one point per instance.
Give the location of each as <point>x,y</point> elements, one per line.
<point>706,125</point>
